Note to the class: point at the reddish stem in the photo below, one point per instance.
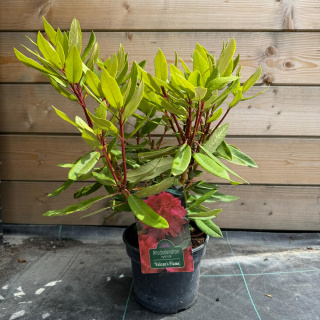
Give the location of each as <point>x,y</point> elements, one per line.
<point>104,150</point>
<point>78,92</point>
<point>178,126</point>
<point>124,182</point>
<point>164,133</point>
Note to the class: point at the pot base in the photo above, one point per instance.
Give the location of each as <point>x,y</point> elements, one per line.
<point>165,311</point>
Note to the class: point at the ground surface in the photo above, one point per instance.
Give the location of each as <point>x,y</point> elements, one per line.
<point>245,275</point>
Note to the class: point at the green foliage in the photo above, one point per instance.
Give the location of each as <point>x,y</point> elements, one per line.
<point>129,105</point>
<point>145,214</point>
<point>73,66</point>
<point>181,160</point>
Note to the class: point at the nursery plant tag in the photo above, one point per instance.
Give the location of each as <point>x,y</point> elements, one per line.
<point>166,250</point>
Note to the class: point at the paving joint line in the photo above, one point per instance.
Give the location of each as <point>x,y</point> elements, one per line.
<point>243,277</point>
<point>260,274</point>
<point>128,299</point>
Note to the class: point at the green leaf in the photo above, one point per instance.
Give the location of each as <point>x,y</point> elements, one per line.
<point>203,198</point>
<point>31,63</point>
<point>200,92</point>
<point>133,104</point>
<point>73,66</point>
<point>111,65</point>
<point>104,124</point>
<point>222,165</point>
<point>63,40</point>
<point>205,215</point>
<point>66,185</point>
<point>237,98</point>
<point>145,214</point>
<point>89,46</point>
<point>157,154</point>
<point>217,137</point>
<point>172,108</point>
<point>150,126</point>
<point>248,98</point>
<point>215,116</point>
<point>220,82</point>
<point>90,138</point>
<point>160,66</point>
<point>60,52</point>
<point>222,197</point>
<point>156,188</point>
<point>185,67</point>
<point>199,63</point>
<point>81,206</point>
<point>224,150</point>
<point>122,75</point>
<point>185,84</point>
<point>64,116</point>
<point>94,83</point>
<point>49,31</point>
<point>93,57</point>
<point>84,165</point>
<point>203,51</point>
<point>85,191</point>
<point>48,51</point>
<point>236,153</point>
<point>103,179</point>
<point>252,80</point>
<point>211,166</point>
<point>111,90</point>
<point>225,93</point>
<point>122,59</point>
<point>181,160</point>
<point>75,35</point>
<point>140,173</point>
<point>209,228</point>
<point>226,56</point>
<point>63,91</point>
<point>164,165</point>
<point>195,78</point>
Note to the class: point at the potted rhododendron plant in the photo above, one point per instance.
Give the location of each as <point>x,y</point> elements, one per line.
<point>157,177</point>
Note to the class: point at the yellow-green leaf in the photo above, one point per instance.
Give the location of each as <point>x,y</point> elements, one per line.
<point>111,90</point>
<point>49,53</point>
<point>73,66</point>
<point>160,66</point>
<point>252,80</point>
<point>181,160</point>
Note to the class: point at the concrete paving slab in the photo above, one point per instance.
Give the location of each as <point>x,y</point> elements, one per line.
<point>48,278</point>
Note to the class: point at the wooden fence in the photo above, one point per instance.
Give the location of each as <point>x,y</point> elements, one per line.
<point>279,129</point>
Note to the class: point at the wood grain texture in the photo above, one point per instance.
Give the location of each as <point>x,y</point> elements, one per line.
<point>280,160</point>
<point>281,111</point>
<point>286,58</point>
<point>162,15</point>
<point>259,207</point>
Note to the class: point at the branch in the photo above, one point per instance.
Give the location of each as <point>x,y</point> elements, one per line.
<point>124,182</point>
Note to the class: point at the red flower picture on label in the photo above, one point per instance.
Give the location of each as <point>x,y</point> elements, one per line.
<point>169,207</point>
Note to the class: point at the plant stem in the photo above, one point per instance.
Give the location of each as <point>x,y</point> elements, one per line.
<point>178,126</point>
<point>105,153</point>
<point>164,133</point>
<point>78,92</point>
<point>124,181</point>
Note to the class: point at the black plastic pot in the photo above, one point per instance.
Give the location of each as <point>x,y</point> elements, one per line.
<point>164,292</point>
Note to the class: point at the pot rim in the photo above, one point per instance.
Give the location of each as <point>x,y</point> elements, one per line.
<point>137,250</point>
